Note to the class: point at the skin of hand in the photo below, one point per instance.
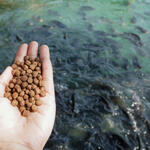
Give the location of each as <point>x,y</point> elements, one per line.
<point>32,132</point>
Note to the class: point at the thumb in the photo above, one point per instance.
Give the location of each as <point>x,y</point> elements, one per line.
<point>5,77</point>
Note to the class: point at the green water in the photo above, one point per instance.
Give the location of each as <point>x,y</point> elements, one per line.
<point>100,50</point>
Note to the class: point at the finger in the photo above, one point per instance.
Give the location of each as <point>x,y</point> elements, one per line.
<point>22,52</point>
<point>33,49</point>
<point>47,71</point>
<point>5,79</point>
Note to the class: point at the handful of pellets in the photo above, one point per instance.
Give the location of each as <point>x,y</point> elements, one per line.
<point>26,88</point>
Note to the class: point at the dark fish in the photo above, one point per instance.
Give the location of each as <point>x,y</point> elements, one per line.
<point>19,38</point>
<point>86,8</point>
<point>136,62</point>
<point>140,29</point>
<point>58,24</point>
<point>134,38</point>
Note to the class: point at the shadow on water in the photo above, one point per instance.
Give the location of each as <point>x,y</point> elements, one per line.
<point>101,81</point>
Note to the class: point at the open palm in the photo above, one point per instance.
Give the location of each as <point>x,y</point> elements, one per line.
<point>32,132</point>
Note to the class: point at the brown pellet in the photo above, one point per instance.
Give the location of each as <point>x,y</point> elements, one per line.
<point>26,96</point>
<point>18,81</point>
<point>36,81</point>
<point>31,93</point>
<point>35,74</point>
<point>40,83</point>
<point>27,91</point>
<point>15,95</point>
<point>42,88</point>
<point>22,108</point>
<point>29,104</point>
<point>24,78</point>
<point>14,66</point>
<point>34,86</point>
<point>37,90</point>
<point>24,84</point>
<point>14,81</point>
<point>34,108</point>
<point>39,102</point>
<point>39,77</point>
<point>11,85</point>
<point>31,99</point>
<point>22,103</point>
<point>39,65</point>
<point>39,71</point>
<point>33,102</point>
<point>36,97</point>
<point>29,87</point>
<point>17,73</point>
<point>32,67</point>
<point>23,72</point>
<point>30,80</point>
<point>37,68</point>
<point>26,58</point>
<point>43,93</point>
<point>18,90</point>
<point>25,67</point>
<point>7,89</point>
<point>26,87</point>
<point>25,113</point>
<point>17,62</point>
<point>29,71</point>
<point>28,62</point>
<point>17,86</point>
<point>14,102</point>
<point>35,63</point>
<point>20,99</point>
<point>21,93</point>
<point>10,98</point>
<point>7,95</point>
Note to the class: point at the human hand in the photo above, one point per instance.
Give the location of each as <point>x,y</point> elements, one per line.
<point>32,132</point>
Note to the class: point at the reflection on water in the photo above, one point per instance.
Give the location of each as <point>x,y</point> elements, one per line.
<point>100,54</point>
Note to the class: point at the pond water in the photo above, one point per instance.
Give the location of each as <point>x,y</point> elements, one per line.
<point>100,50</point>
